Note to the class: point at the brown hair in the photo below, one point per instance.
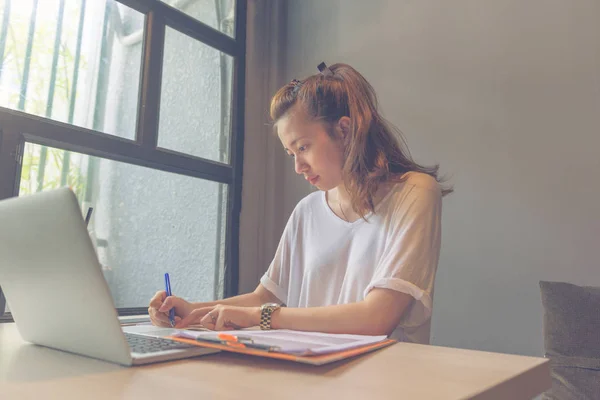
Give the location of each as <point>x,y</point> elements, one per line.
<point>375,151</point>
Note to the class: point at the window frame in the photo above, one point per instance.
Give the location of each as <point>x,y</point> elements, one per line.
<point>18,127</point>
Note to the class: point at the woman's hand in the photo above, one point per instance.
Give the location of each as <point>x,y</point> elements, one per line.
<point>221,317</point>
<point>161,304</point>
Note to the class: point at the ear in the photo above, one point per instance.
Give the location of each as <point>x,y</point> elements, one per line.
<point>343,127</point>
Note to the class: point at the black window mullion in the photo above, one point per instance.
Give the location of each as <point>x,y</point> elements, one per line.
<point>191,26</point>
<point>237,152</point>
<point>11,146</point>
<point>149,104</point>
<point>69,137</point>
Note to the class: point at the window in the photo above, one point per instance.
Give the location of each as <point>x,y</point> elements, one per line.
<point>137,105</point>
<point>85,74</point>
<point>223,12</point>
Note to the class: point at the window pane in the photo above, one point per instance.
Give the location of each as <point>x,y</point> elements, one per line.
<point>72,61</point>
<point>195,103</point>
<point>145,222</point>
<point>218,14</point>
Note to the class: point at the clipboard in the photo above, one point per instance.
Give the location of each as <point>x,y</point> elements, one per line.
<point>319,359</point>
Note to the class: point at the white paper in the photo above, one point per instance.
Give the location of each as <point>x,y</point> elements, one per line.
<point>293,342</point>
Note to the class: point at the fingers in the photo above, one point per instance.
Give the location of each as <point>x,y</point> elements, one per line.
<point>218,319</point>
<point>161,323</point>
<point>210,317</point>
<point>232,326</point>
<point>160,318</point>
<point>194,316</point>
<point>220,322</point>
<point>167,304</point>
<point>158,299</point>
<point>156,317</point>
<point>164,322</point>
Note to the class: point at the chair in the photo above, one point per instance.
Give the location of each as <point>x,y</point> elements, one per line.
<point>572,340</point>
<point>2,303</point>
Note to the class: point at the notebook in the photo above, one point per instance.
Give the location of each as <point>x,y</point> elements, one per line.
<point>305,347</point>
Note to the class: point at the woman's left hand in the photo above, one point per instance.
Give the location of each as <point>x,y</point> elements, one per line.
<point>221,317</point>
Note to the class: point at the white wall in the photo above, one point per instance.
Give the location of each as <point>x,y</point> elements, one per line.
<point>506,96</point>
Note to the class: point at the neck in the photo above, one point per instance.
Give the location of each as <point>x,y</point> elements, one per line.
<point>341,196</point>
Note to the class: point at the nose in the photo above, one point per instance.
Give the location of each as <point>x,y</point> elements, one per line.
<point>299,165</point>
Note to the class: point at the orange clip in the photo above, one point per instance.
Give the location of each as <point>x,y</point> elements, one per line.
<point>231,340</point>
<point>226,337</point>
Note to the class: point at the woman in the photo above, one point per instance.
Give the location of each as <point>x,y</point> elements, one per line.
<point>359,256</point>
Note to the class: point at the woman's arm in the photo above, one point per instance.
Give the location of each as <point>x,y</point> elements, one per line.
<point>378,314</point>
<point>193,312</point>
<point>257,298</point>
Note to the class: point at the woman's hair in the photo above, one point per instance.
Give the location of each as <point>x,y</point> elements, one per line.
<point>374,148</point>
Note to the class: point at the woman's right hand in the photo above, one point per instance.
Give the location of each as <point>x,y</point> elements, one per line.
<point>161,304</point>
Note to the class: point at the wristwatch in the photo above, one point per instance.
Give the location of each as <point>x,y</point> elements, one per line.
<point>266,310</point>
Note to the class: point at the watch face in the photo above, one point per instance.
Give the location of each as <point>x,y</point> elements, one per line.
<point>270,305</point>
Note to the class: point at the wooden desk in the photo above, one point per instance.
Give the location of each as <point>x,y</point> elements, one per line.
<point>406,371</point>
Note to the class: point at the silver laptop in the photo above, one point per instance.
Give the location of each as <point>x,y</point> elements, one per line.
<point>54,287</point>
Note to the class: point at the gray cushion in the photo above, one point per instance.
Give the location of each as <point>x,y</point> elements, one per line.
<point>2,302</point>
<point>572,339</point>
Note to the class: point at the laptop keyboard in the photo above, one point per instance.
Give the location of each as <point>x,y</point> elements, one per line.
<point>147,344</point>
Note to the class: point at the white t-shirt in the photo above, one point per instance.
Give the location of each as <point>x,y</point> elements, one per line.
<point>323,260</point>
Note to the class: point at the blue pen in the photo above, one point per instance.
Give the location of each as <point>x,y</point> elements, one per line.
<point>168,290</point>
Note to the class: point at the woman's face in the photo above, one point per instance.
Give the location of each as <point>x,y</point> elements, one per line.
<point>316,154</point>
